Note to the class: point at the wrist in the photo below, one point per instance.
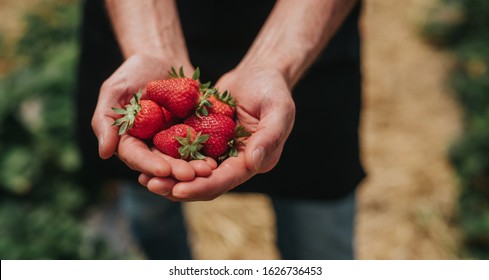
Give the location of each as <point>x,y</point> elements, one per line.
<point>288,66</point>
<point>148,28</point>
<point>165,58</point>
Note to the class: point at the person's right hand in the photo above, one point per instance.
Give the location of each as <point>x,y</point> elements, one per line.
<point>116,91</point>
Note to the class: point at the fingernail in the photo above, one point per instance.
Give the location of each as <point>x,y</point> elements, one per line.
<point>165,192</point>
<point>257,158</point>
<point>100,144</point>
<point>177,192</point>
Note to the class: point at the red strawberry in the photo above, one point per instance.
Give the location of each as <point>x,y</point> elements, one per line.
<point>223,134</point>
<point>170,118</point>
<point>221,103</point>
<point>142,118</point>
<point>180,141</point>
<point>178,94</point>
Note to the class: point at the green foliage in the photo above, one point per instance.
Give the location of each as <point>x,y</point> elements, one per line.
<point>461,27</point>
<point>51,26</point>
<point>42,203</point>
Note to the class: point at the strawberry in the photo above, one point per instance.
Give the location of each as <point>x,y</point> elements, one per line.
<point>221,103</point>
<point>180,141</point>
<point>223,134</point>
<point>170,118</point>
<point>178,94</point>
<point>142,118</point>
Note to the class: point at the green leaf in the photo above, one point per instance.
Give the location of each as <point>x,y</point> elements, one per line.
<point>196,74</point>
<point>182,75</point>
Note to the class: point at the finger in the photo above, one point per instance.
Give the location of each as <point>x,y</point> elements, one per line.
<point>228,175</point>
<point>143,179</point>
<point>136,155</point>
<point>107,134</point>
<point>161,186</point>
<point>211,162</point>
<point>265,145</point>
<point>181,169</point>
<point>203,168</point>
<point>112,94</point>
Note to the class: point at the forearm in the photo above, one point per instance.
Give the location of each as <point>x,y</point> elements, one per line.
<point>148,27</point>
<point>295,33</point>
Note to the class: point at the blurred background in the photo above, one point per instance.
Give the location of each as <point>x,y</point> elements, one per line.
<point>425,143</point>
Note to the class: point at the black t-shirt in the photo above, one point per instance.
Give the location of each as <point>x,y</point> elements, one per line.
<point>321,158</point>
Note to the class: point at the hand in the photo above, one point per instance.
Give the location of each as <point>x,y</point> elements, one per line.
<point>116,91</point>
<point>265,107</point>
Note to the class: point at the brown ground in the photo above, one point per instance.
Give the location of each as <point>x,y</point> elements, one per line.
<point>407,203</point>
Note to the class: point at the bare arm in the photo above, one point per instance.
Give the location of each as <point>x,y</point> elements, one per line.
<point>293,36</point>
<point>148,27</point>
<point>295,33</point>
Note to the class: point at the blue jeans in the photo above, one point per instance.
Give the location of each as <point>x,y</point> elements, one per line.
<point>315,230</point>
<point>305,229</point>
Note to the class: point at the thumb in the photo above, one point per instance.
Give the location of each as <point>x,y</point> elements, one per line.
<point>106,133</point>
<point>264,147</point>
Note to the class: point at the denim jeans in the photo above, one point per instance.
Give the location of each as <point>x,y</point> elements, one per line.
<point>315,230</point>
<point>156,223</point>
<point>306,229</point>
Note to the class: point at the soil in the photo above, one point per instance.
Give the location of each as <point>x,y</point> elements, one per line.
<point>407,204</point>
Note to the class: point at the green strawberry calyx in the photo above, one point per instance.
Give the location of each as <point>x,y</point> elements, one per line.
<point>239,132</point>
<point>207,91</point>
<point>180,74</point>
<point>191,149</point>
<point>130,112</point>
<point>226,98</point>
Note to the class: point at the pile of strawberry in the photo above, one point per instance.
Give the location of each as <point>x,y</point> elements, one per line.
<point>183,118</point>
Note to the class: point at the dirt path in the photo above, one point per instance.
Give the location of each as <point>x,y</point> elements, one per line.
<point>407,202</point>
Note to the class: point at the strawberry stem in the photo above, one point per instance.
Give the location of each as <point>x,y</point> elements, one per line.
<point>191,149</point>
<point>130,111</point>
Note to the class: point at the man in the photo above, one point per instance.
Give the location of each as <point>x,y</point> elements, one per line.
<point>294,68</point>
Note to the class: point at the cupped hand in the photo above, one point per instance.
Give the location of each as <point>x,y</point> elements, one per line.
<point>116,91</point>
<point>264,107</point>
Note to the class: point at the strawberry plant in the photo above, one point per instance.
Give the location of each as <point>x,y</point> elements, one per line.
<point>42,203</point>
<point>460,27</point>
